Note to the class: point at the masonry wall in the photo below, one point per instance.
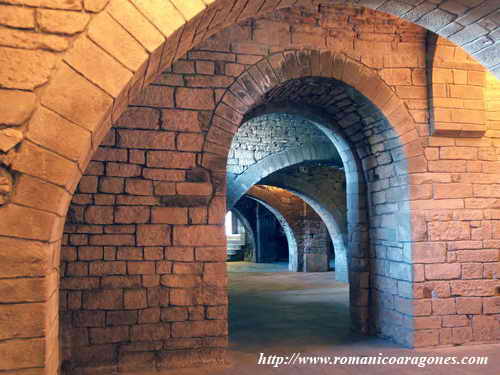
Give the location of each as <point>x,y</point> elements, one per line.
<point>270,134</point>
<point>137,280</point>
<point>458,94</point>
<point>309,230</point>
<point>325,188</point>
<point>143,248</point>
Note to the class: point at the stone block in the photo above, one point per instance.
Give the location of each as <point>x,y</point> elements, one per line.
<point>23,257</point>
<point>114,39</point>
<point>22,353</point>
<point>449,231</point>
<point>141,268</point>
<point>153,235</point>
<point>146,139</point>
<point>61,22</point>
<point>193,98</point>
<point>131,214</point>
<point>118,318</point>
<point>135,299</point>
<point>199,235</point>
<point>25,69</point>
<point>445,306</point>
<point>442,271</point>
<point>174,314</point>
<point>150,332</point>
<point>109,335</point>
<point>106,299</point>
<point>136,24</point>
<point>429,252</point>
<point>473,288</point>
<point>199,328</point>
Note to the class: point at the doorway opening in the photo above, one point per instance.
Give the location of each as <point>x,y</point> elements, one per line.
<point>286,188</point>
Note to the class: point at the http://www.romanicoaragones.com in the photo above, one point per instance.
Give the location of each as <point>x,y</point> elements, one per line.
<point>298,359</point>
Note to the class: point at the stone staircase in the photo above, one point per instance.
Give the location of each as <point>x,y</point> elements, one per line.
<point>235,244</point>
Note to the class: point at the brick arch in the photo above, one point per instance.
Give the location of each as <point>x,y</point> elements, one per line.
<point>247,92</point>
<point>290,233</point>
<point>238,186</point>
<point>81,100</point>
<point>335,230</point>
<point>328,209</point>
<point>266,87</point>
<point>244,99</point>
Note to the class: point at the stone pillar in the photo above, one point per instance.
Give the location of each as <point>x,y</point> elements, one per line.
<point>315,241</point>
<point>29,302</point>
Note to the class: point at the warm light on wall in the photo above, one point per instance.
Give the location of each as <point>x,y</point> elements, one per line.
<point>492,104</point>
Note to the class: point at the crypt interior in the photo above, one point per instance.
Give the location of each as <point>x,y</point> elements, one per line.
<point>187,183</point>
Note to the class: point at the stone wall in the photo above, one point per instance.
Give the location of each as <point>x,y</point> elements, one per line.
<point>309,231</point>
<point>323,187</point>
<point>136,278</point>
<point>264,144</point>
<point>270,134</point>
<point>457,98</point>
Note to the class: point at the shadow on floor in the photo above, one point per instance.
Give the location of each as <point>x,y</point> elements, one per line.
<point>279,309</point>
<point>276,312</point>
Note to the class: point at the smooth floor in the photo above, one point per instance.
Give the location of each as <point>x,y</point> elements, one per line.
<point>276,312</point>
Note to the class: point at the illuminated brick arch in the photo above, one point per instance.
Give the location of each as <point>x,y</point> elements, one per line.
<point>290,234</point>
<point>237,187</point>
<point>264,88</point>
<point>331,211</point>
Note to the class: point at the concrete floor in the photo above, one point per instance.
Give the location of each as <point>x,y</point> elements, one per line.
<point>273,311</point>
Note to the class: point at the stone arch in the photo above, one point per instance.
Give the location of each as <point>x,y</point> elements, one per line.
<point>337,237</point>
<point>285,72</point>
<point>246,224</point>
<point>246,93</point>
<point>238,186</point>
<point>158,33</point>
<point>291,236</point>
<point>333,218</point>
<point>320,150</point>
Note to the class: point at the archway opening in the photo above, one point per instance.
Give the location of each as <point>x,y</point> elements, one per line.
<point>267,150</point>
<point>266,240</point>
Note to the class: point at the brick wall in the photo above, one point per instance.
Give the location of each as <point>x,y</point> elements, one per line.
<point>267,135</point>
<point>134,281</point>
<point>269,143</point>
<point>309,231</point>
<point>155,200</point>
<point>457,97</point>
<point>142,190</point>
<point>323,187</point>
<point>146,166</point>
